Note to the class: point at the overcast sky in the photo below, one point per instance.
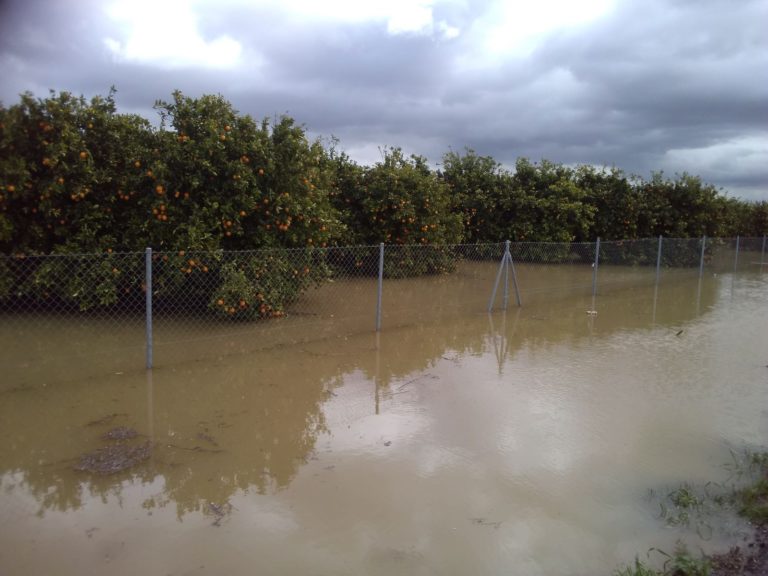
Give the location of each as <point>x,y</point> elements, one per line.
<point>673,85</point>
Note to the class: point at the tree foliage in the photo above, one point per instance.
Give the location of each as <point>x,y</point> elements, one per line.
<point>77,177</point>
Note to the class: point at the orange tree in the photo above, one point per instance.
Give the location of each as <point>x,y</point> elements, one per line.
<point>77,177</point>
<point>481,192</point>
<point>63,165</point>
<point>399,201</point>
<point>538,202</point>
<point>224,182</point>
<point>62,168</point>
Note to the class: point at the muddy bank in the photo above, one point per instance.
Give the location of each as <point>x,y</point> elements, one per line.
<point>749,560</point>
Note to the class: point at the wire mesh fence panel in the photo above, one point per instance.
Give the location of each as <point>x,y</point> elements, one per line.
<point>627,263</point>
<point>720,255</point>
<point>735,254</point>
<point>70,316</point>
<point>547,269</point>
<point>428,283</point>
<point>230,302</point>
<point>683,253</point>
<point>752,256</point>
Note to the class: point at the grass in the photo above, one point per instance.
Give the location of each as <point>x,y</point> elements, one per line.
<point>680,563</point>
<point>753,502</point>
<point>686,503</point>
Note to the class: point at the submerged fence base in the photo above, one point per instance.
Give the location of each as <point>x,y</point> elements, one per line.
<point>506,265</point>
<point>229,290</point>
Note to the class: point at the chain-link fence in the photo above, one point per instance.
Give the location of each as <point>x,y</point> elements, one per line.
<point>82,315</point>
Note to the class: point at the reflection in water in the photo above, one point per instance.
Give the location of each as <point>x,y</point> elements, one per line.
<point>521,438</point>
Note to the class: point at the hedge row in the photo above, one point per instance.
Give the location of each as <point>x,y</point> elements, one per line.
<point>77,177</point>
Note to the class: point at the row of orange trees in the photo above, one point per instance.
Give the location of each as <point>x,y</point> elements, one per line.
<point>76,176</point>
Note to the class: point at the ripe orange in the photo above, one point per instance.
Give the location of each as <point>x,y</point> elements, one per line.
<point>83,155</point>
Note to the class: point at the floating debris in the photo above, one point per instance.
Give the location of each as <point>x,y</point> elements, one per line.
<point>207,438</point>
<point>106,419</point>
<point>113,459</point>
<point>120,433</point>
<point>484,522</point>
<point>219,511</point>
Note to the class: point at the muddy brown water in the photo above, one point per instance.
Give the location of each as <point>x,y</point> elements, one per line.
<point>453,442</point>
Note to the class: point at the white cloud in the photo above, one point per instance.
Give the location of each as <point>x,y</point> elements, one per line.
<point>398,16</point>
<point>416,17</point>
<point>167,35</point>
<point>449,32</point>
<point>513,27</point>
<point>743,156</point>
<point>740,161</point>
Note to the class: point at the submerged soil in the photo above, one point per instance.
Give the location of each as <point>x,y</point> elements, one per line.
<point>749,560</point>
<point>118,455</point>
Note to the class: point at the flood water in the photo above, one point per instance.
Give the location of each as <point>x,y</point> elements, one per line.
<point>453,442</point>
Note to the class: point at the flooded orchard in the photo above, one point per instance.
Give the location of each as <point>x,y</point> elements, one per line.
<point>453,442</point>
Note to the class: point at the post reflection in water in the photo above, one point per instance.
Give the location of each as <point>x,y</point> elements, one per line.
<point>263,454</point>
<point>150,407</point>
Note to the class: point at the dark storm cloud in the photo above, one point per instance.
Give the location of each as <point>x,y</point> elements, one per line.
<point>659,84</point>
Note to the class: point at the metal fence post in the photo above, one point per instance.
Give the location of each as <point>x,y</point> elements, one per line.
<point>594,268</point>
<point>381,286</point>
<point>148,300</point>
<point>701,260</point>
<point>496,283</point>
<point>658,262</point>
<point>762,255</point>
<point>736,257</point>
<point>514,276</point>
<point>506,274</point>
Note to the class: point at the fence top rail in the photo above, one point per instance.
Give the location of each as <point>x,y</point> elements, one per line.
<point>70,255</point>
<point>221,251</point>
